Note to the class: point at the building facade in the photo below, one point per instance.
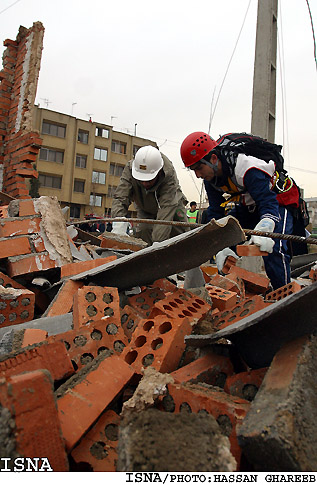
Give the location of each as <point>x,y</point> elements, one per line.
<point>80,162</point>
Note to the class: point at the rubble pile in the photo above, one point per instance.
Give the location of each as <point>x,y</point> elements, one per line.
<point>98,377</point>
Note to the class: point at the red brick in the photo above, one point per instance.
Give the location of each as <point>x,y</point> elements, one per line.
<point>284,291</point>
<point>9,282</point>
<point>63,302</point>
<point>181,304</point>
<point>33,336</point>
<point>107,242</point>
<point>30,264</point>
<point>14,247</point>
<point>232,283</point>
<point>144,301</point>
<point>165,285</point>
<point>254,283</point>
<point>157,342</point>
<point>52,357</point>
<point>16,306</point>
<point>30,400</point>
<point>85,344</point>
<point>211,369</point>
<point>81,405</point>
<point>18,227</point>
<point>26,208</point>
<point>249,250</point>
<point>241,310</point>
<point>98,448</point>
<point>221,299</point>
<point>245,384</point>
<point>3,212</point>
<point>71,269</point>
<point>229,264</point>
<point>229,411</point>
<point>96,304</point>
<point>129,320</point>
<point>37,243</point>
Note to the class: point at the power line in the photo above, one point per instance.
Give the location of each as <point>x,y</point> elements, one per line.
<point>17,1</point>
<point>312,26</point>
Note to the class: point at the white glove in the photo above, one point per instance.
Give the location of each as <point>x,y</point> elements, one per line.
<point>194,278</point>
<point>265,243</point>
<point>120,228</point>
<point>221,257</point>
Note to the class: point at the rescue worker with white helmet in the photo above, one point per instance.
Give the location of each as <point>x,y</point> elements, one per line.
<point>150,181</point>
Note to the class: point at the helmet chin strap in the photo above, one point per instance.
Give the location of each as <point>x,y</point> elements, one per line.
<point>214,166</point>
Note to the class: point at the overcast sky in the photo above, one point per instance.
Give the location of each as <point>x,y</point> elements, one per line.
<point>162,64</point>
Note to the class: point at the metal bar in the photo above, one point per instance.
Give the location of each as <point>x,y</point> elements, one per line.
<point>248,232</point>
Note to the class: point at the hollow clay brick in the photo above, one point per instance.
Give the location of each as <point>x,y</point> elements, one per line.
<point>232,283</point>
<point>221,298</point>
<point>157,342</point>
<point>211,369</point>
<point>239,311</point>
<point>30,400</point>
<point>129,320</point>
<point>284,291</point>
<point>249,250</point>
<point>245,384</point>
<point>181,304</point>
<point>52,357</point>
<point>229,411</point>
<point>98,448</point>
<point>90,394</point>
<point>86,343</point>
<point>16,306</point>
<point>144,301</point>
<point>96,304</point>
<point>63,301</point>
<point>165,285</point>
<point>9,282</point>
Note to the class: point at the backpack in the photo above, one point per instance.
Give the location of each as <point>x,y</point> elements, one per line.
<point>254,146</point>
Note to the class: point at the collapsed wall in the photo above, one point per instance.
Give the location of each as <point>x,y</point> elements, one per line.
<point>19,144</point>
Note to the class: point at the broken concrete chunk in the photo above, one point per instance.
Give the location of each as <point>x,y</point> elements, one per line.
<point>158,441</point>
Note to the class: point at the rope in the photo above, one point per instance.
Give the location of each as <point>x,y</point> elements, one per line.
<point>248,232</point>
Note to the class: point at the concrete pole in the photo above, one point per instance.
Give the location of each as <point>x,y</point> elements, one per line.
<point>264,80</point>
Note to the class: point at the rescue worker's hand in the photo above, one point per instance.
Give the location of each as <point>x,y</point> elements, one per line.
<point>221,257</point>
<point>265,243</point>
<point>120,228</point>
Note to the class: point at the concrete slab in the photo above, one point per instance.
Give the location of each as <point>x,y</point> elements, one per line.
<point>278,433</point>
<point>177,254</point>
<point>259,336</point>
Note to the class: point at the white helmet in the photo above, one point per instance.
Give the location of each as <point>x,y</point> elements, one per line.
<point>147,163</point>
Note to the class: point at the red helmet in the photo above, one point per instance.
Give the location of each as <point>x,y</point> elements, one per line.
<point>195,147</point>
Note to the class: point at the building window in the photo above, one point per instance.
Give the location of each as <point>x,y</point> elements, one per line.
<point>51,155</point>
<point>51,181</point>
<point>111,190</point>
<point>100,154</point>
<point>119,147</point>
<point>83,136</point>
<point>53,129</point>
<point>116,170</point>
<point>98,178</point>
<point>103,132</point>
<point>74,211</point>
<point>95,200</point>
<point>79,186</point>
<point>81,161</point>
<point>135,149</point>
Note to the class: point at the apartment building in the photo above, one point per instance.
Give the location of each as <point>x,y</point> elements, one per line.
<point>80,162</point>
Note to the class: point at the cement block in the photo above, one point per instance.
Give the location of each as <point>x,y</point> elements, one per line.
<point>158,441</point>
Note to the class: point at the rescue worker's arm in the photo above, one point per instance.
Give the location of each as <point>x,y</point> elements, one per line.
<point>215,199</point>
<point>123,195</point>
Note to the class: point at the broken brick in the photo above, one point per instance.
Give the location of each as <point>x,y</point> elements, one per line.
<point>63,301</point>
<point>16,306</point>
<point>144,301</point>
<point>221,299</point>
<point>245,384</point>
<point>33,336</point>
<point>129,320</point>
<point>30,399</point>
<point>21,265</point>
<point>94,304</point>
<point>254,283</point>
<point>82,400</point>
<point>71,269</point>
<point>249,250</point>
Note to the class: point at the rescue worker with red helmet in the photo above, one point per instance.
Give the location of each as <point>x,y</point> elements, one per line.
<point>249,182</point>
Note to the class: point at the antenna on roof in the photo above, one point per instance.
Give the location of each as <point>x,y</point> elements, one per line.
<point>46,101</point>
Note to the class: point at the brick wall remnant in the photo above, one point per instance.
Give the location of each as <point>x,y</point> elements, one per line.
<point>19,144</point>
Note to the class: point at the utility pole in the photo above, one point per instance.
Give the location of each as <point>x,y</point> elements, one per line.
<point>264,79</point>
